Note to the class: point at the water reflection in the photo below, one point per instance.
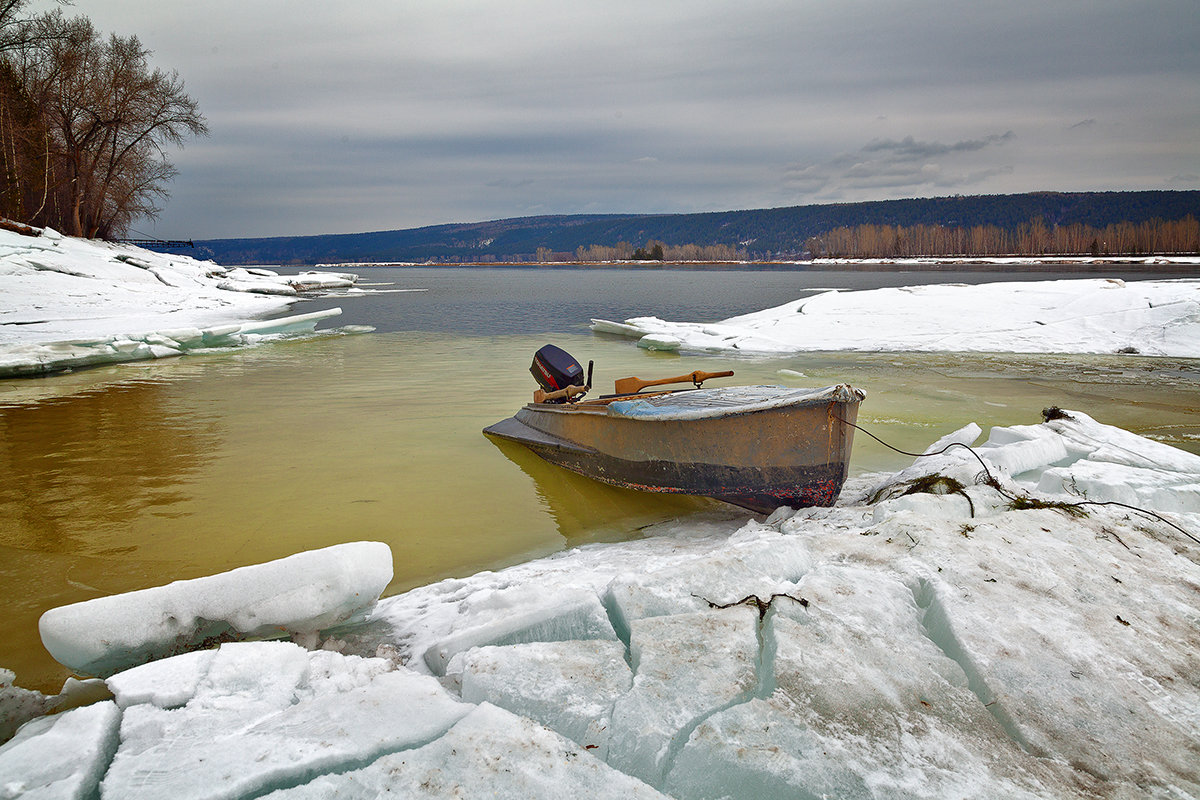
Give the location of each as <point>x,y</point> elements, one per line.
<point>585,510</point>
<point>104,456</point>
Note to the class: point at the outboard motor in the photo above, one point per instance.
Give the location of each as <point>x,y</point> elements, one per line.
<point>555,369</point>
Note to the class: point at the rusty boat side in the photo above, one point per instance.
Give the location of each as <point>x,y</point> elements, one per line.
<point>758,447</point>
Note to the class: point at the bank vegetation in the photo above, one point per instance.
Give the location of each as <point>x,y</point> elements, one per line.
<point>1035,238</point>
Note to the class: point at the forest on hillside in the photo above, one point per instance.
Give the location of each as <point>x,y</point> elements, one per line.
<point>1126,223</point>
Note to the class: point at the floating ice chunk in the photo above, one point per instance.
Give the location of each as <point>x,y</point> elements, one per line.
<point>1067,316</point>
<point>257,287</point>
<point>61,756</point>
<point>44,357</point>
<point>652,342</point>
<point>271,714</point>
<point>686,667</point>
<point>569,687</point>
<point>489,753</point>
<point>301,593</point>
<point>521,614</point>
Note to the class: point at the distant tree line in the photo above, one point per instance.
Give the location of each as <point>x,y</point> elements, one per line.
<point>658,251</point>
<point>1034,238</point>
<point>84,125</point>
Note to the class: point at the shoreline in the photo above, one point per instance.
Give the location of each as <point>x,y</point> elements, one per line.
<point>1184,265</point>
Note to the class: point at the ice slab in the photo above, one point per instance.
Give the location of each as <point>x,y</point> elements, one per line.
<point>569,687</point>
<point>764,565</point>
<point>686,667</point>
<point>166,683</point>
<point>302,593</point>
<point>270,714</point>
<point>517,614</point>
<point>60,756</point>
<point>490,753</point>
<point>847,717</point>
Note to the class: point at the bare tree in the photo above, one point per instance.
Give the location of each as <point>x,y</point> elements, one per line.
<point>110,119</point>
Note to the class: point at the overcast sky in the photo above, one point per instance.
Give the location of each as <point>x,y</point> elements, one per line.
<point>384,114</point>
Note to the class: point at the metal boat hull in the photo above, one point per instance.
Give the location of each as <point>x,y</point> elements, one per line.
<point>789,453</point>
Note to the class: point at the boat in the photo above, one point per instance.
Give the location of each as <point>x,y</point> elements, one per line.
<point>757,447</point>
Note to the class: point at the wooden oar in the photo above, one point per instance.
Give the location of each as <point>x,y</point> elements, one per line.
<point>635,385</point>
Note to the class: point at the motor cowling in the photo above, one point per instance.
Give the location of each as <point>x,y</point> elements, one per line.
<point>554,368</point>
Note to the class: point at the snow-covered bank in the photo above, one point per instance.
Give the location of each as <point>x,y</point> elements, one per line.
<point>938,640</point>
<point>67,302</point>
<point>1098,315</point>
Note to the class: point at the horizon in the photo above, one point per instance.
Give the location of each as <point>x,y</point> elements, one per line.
<point>381,118</point>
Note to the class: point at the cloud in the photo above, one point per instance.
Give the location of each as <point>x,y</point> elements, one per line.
<point>909,149</point>
<point>397,114</point>
<point>890,164</point>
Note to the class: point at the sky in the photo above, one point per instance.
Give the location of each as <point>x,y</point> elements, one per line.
<point>388,114</point>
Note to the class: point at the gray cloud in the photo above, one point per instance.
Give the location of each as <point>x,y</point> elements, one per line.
<point>888,164</point>
<point>378,114</point>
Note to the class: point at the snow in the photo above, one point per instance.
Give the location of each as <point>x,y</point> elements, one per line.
<point>297,595</point>
<point>67,303</point>
<point>1094,315</point>
<point>1019,619</point>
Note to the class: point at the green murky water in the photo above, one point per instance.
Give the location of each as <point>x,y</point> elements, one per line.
<point>125,477</point>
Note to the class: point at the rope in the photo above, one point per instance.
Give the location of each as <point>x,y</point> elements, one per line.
<point>995,484</point>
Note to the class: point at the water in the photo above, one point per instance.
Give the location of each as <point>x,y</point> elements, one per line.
<point>132,476</point>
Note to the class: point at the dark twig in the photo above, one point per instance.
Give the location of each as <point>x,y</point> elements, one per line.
<point>756,601</point>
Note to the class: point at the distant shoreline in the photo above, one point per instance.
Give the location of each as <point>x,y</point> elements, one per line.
<point>1184,265</point>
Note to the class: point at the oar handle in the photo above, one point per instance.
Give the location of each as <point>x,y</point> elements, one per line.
<point>635,385</point>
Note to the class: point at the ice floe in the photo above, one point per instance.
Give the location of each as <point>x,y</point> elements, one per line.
<point>67,303</point>
<point>962,628</point>
<point>297,595</point>
<point>1091,315</point>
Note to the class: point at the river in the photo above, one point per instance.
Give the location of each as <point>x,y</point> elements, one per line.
<point>131,476</point>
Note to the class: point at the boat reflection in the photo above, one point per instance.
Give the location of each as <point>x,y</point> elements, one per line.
<point>589,511</point>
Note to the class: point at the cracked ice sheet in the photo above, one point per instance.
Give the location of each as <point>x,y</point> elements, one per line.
<point>863,704</point>
<point>270,714</point>
<point>569,687</point>
<point>490,753</point>
<point>1095,315</point>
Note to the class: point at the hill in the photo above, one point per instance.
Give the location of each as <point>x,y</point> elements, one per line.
<point>764,233</point>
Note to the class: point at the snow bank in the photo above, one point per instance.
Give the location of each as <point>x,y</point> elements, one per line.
<point>958,636</point>
<point>1099,315</point>
<point>67,303</point>
<point>300,594</point>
